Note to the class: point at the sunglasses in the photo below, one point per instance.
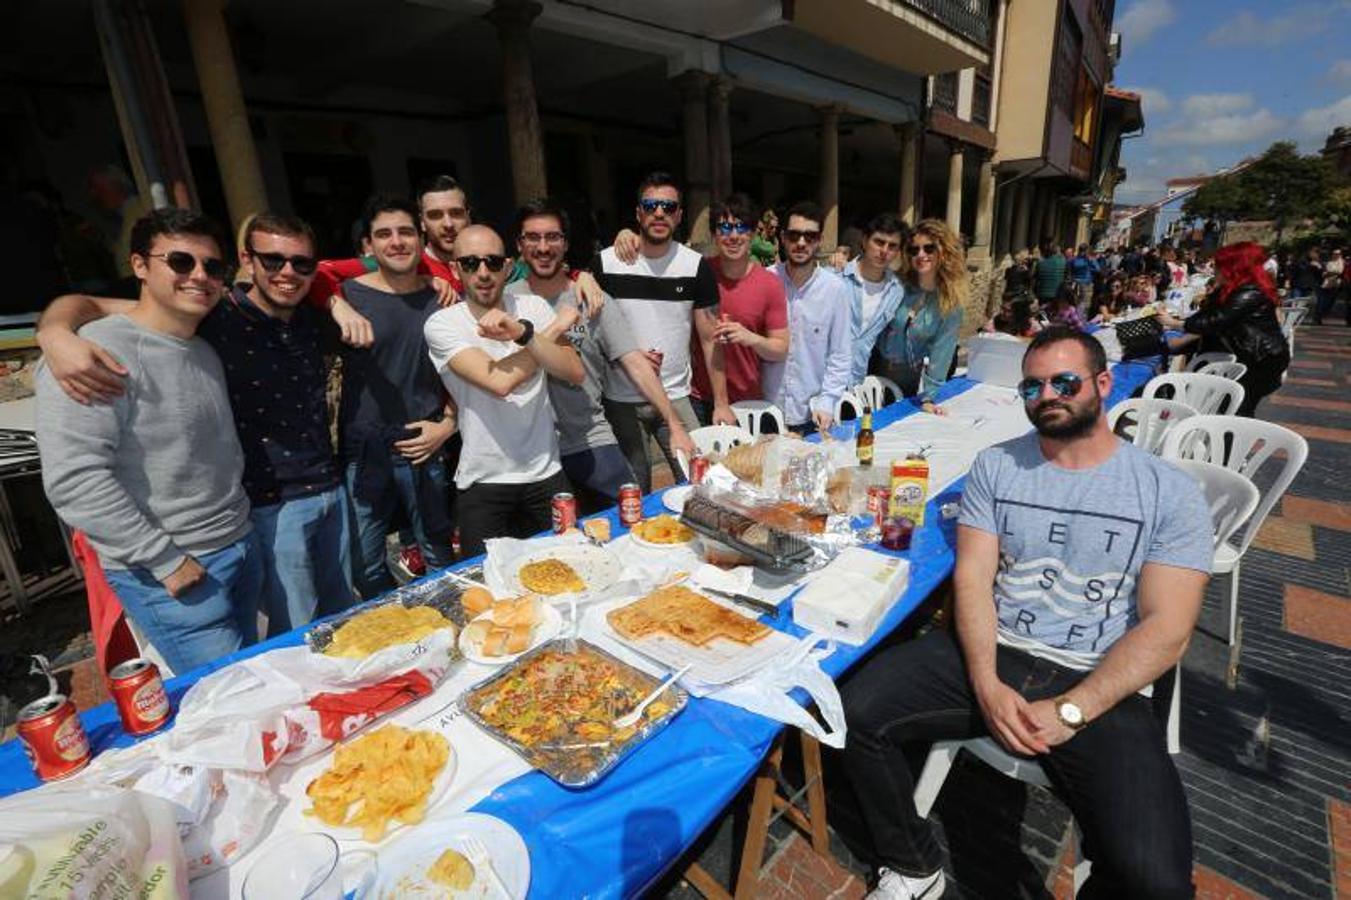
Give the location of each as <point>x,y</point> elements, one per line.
<point>650,205</point>
<point>273,263</point>
<point>729,228</point>
<point>1065,384</point>
<point>470,264</point>
<point>794,235</point>
<point>184,263</point>
<point>926,249</point>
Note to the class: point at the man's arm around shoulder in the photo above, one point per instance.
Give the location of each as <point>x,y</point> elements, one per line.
<point>87,372</point>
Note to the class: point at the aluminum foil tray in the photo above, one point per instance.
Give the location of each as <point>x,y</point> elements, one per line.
<point>438,590</point>
<point>580,763</point>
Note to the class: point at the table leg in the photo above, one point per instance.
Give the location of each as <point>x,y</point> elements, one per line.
<point>816,793</point>
<point>757,829</point>
<point>8,564</point>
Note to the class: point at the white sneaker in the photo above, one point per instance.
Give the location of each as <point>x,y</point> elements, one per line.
<point>895,886</point>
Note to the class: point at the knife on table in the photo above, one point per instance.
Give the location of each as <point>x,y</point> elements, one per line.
<point>754,602</point>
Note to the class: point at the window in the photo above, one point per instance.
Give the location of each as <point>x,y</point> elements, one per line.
<point>1068,52</point>
<point>1085,108</point>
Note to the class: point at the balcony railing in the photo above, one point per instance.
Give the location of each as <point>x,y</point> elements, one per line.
<point>969,18</point>
<point>945,92</point>
<point>980,100</point>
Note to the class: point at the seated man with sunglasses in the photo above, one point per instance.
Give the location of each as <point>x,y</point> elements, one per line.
<point>269,341</point>
<point>152,476</point>
<point>492,352</point>
<point>1081,562</point>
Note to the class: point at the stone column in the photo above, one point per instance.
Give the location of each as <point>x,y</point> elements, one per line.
<point>908,136</point>
<point>830,176</point>
<point>1082,228</point>
<point>720,136</point>
<point>1021,238</point>
<point>226,115</point>
<point>956,159</point>
<point>525,135</point>
<point>980,243</point>
<point>693,87</point>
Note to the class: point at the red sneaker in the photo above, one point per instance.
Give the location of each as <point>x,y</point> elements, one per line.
<point>410,559</point>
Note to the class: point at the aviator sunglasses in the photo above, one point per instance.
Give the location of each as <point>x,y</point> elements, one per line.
<point>926,249</point>
<point>183,263</point>
<point>273,263</point>
<point>650,205</point>
<point>470,264</point>
<point>730,228</point>
<point>1065,384</point>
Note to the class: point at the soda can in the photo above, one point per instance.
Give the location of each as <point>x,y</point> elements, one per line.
<point>698,468</point>
<point>630,505</point>
<point>138,690</point>
<point>564,512</point>
<point>879,496</point>
<point>53,737</point>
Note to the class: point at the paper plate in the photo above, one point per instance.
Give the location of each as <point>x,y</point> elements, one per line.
<point>548,627</point>
<point>653,545</point>
<point>403,864</point>
<point>596,566</point>
<point>675,498</point>
<point>293,818</point>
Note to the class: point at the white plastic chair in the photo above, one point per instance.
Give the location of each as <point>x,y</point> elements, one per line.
<point>1244,446</point>
<point>1207,394</point>
<point>1289,322</point>
<point>1199,362</point>
<point>1231,370</point>
<point>848,402</point>
<point>877,392</point>
<point>714,439</point>
<point>750,415</point>
<point>1144,422</point>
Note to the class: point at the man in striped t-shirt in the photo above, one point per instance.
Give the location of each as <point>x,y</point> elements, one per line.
<point>665,289</point>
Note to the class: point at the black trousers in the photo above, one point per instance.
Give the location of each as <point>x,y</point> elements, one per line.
<point>1115,774</point>
<point>506,510</point>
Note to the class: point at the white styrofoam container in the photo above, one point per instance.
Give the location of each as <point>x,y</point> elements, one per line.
<point>848,598</point>
<point>995,359</point>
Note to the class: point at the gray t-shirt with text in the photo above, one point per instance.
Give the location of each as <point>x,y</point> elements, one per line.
<point>1072,542</point>
<point>600,341</point>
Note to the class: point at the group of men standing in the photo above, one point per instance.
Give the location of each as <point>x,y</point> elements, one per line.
<point>186,433</point>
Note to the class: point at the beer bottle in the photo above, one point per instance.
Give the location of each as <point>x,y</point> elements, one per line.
<point>863,444</point>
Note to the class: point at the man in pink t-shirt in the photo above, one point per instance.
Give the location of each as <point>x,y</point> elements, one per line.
<point>752,318</point>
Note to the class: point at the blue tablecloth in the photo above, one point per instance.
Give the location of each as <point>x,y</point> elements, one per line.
<point>619,836</point>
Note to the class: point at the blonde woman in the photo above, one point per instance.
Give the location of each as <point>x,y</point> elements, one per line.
<point>918,346</point>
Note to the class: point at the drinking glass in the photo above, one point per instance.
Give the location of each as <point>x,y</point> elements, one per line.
<point>299,867</point>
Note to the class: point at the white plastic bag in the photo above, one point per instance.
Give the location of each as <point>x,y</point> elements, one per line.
<point>767,692</point>
<point>76,841</point>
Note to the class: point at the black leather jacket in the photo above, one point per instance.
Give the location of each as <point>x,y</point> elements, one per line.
<point>1245,326</point>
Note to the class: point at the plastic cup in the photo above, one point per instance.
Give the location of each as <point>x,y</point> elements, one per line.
<point>298,867</point>
<point>897,532</point>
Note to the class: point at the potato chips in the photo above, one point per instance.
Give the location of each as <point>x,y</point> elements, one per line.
<point>386,774</point>
<point>384,626</point>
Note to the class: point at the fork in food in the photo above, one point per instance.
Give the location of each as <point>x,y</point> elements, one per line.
<point>482,862</point>
<point>632,718</point>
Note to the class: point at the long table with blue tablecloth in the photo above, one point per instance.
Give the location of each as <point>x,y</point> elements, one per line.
<point>617,837</point>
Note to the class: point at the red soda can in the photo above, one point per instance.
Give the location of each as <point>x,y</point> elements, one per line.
<point>455,542</point>
<point>630,505</point>
<point>698,467</point>
<point>564,512</point>
<point>137,688</point>
<point>53,737</point>
<point>879,495</point>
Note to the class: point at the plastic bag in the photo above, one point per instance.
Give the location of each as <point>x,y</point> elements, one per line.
<point>75,841</point>
<point>768,692</point>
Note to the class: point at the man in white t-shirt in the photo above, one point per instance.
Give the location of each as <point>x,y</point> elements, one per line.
<point>492,352</point>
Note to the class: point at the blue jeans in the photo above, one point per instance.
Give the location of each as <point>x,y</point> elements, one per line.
<point>1115,775</point>
<point>306,544</point>
<point>597,474</point>
<point>422,494</point>
<point>215,618</point>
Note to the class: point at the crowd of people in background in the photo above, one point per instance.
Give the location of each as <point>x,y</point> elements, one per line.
<point>187,432</point>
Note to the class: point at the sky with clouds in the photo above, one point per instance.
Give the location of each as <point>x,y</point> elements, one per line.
<point>1223,79</point>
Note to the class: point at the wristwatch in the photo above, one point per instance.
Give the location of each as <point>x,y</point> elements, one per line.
<point>1069,713</point>
<point>527,334</point>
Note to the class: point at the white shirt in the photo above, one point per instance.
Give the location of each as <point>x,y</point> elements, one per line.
<point>872,296</point>
<point>507,440</point>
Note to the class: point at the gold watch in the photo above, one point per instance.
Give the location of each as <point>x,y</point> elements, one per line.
<point>1069,713</point>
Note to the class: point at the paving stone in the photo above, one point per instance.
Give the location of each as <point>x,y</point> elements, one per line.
<point>1316,512</point>
<point>1314,614</point>
<point>1281,535</point>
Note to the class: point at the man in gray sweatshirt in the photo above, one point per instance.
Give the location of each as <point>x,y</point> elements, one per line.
<point>153,478</point>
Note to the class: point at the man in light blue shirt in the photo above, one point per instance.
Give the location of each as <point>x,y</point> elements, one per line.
<point>877,292</point>
<point>808,384</point>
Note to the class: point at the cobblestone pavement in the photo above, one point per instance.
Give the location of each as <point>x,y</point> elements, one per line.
<point>1266,764</point>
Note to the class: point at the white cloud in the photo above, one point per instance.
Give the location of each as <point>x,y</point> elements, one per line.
<point>1295,22</point>
<point>1145,178</point>
<point>1142,18</point>
<point>1222,118</point>
<point>1208,106</point>
<point>1340,70</point>
<point>1319,122</point>
<point>1153,101</point>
